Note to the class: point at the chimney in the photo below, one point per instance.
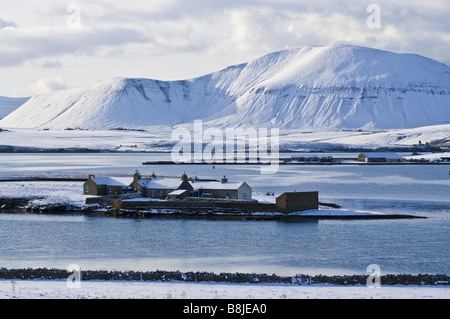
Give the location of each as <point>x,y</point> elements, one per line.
<point>184,177</point>
<point>137,175</point>
<point>224,179</point>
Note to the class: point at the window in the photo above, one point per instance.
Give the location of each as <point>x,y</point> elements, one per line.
<point>86,189</point>
<point>244,195</point>
<point>111,189</point>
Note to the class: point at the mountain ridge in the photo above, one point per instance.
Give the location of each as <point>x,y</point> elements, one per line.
<point>314,87</point>
<point>9,104</point>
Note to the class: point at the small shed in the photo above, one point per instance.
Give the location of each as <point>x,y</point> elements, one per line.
<point>178,193</point>
<point>297,201</point>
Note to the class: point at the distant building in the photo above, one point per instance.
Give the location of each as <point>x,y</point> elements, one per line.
<point>371,157</point>
<point>322,159</point>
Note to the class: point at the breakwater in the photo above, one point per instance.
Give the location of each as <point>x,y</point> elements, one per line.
<point>168,276</point>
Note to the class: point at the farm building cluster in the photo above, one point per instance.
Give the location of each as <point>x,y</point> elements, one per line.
<point>185,192</point>
<point>167,187</point>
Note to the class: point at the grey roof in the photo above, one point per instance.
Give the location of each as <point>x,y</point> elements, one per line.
<point>113,181</point>
<point>217,185</point>
<point>163,183</point>
<point>178,192</point>
<point>144,181</point>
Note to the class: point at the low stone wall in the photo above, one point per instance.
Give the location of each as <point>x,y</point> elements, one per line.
<point>161,275</point>
<point>286,203</point>
<point>183,204</point>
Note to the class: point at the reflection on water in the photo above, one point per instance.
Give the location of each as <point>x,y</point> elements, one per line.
<point>32,217</point>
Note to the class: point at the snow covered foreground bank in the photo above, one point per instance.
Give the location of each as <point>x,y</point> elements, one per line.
<point>58,289</point>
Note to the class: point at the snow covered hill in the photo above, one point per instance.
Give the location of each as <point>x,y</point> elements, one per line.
<point>9,104</point>
<point>315,87</point>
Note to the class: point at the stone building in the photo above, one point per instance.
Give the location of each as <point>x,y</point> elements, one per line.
<point>297,201</point>
<point>223,189</point>
<point>111,186</point>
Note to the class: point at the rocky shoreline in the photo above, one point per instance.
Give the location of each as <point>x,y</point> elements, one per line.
<point>33,205</point>
<point>174,276</point>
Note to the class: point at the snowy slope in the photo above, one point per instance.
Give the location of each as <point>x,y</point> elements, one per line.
<point>348,87</point>
<point>9,104</point>
<point>327,88</point>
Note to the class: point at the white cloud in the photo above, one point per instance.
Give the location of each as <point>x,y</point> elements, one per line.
<point>249,28</point>
<point>44,86</point>
<point>25,44</point>
<point>139,32</point>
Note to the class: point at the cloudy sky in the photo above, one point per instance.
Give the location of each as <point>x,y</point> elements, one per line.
<point>47,45</point>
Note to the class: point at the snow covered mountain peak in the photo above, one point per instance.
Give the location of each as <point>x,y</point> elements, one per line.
<point>313,87</point>
<point>346,65</point>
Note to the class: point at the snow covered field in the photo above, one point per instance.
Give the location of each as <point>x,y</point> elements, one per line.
<point>45,193</point>
<point>58,289</point>
<point>159,139</point>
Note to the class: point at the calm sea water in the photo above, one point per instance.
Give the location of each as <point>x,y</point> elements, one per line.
<point>285,248</point>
